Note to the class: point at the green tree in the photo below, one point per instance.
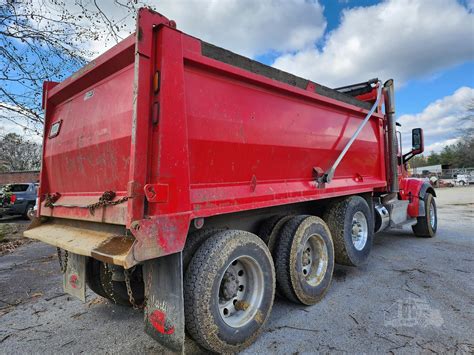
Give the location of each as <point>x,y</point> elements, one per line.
<point>433,159</point>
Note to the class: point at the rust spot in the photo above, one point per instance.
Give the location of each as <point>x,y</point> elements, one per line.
<point>241,305</point>
<point>158,320</point>
<point>259,317</point>
<point>113,247</point>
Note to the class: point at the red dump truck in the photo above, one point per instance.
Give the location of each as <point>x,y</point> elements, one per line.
<point>193,182</point>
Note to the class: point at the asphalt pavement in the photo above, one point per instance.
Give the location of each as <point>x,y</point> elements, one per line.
<point>414,295</point>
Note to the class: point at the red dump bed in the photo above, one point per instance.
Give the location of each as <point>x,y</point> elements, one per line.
<point>201,130</point>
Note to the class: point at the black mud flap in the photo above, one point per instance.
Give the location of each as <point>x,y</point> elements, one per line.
<point>164,311</point>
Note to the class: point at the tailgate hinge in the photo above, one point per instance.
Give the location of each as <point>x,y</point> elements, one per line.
<point>157,192</point>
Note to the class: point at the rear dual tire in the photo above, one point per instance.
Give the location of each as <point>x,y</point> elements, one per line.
<point>228,291</point>
<point>304,259</point>
<point>99,278</point>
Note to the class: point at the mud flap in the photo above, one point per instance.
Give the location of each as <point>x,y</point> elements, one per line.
<point>164,311</point>
<point>74,279</point>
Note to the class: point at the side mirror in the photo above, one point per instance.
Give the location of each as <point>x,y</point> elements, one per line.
<point>417,141</point>
<point>417,144</point>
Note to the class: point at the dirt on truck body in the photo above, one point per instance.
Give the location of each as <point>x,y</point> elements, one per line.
<point>196,183</point>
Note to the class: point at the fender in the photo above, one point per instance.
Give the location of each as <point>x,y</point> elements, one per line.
<point>415,191</point>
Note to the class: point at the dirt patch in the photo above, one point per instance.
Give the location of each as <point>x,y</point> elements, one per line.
<point>11,237</point>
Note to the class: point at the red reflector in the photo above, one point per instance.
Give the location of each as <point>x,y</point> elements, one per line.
<point>12,198</point>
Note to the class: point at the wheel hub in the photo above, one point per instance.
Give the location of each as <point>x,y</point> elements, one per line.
<point>241,291</point>
<point>230,284</point>
<point>359,230</point>
<point>314,259</point>
<point>306,260</point>
<point>356,230</point>
<point>432,216</point>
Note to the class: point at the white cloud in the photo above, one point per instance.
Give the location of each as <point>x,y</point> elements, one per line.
<point>400,39</point>
<point>440,120</point>
<point>248,27</point>
<point>13,122</point>
<point>438,146</point>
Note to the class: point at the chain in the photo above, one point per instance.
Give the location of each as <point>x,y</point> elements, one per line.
<point>129,289</point>
<point>148,284</point>
<point>62,265</point>
<point>104,200</point>
<point>51,199</point>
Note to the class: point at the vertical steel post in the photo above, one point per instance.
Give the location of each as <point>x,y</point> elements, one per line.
<point>392,134</point>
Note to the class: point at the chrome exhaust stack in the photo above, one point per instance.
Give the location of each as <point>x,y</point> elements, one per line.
<point>382,217</point>
<point>389,92</point>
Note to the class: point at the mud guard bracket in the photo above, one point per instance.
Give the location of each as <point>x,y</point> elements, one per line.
<point>164,311</point>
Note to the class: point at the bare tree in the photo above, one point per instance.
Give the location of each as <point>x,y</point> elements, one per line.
<point>18,154</point>
<point>44,40</point>
<point>467,121</point>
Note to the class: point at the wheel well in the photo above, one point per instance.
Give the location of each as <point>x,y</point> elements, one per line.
<point>431,191</point>
<point>251,220</point>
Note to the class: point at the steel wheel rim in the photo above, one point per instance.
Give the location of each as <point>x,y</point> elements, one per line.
<point>432,216</point>
<point>314,260</point>
<point>240,292</point>
<point>359,230</point>
<point>30,212</point>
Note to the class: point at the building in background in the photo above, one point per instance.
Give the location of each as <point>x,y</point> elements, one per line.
<point>19,177</point>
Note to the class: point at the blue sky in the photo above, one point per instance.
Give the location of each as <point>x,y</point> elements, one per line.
<point>417,93</point>
<point>427,46</point>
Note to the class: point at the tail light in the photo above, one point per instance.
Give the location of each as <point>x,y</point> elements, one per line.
<point>12,198</point>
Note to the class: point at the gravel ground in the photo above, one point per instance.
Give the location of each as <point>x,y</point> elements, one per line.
<point>415,295</point>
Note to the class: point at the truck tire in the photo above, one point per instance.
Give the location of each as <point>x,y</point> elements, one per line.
<point>270,229</point>
<point>304,260</point>
<point>93,277</point>
<point>351,225</point>
<point>427,225</point>
<point>229,288</point>
<point>116,291</point>
<point>193,242</point>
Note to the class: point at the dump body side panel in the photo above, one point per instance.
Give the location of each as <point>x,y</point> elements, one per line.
<point>253,141</point>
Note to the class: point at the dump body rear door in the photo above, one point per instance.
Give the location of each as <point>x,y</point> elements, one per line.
<point>88,137</point>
